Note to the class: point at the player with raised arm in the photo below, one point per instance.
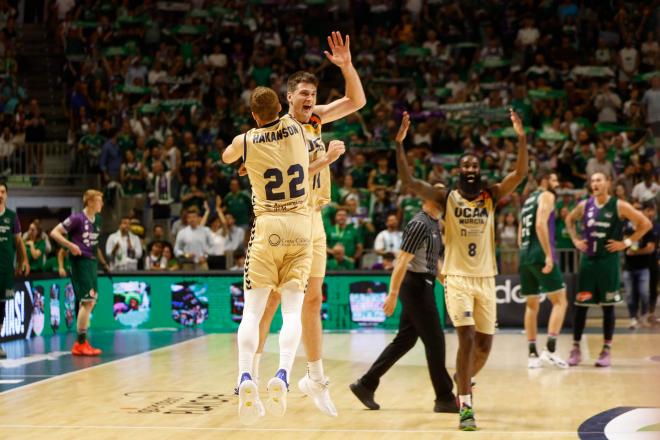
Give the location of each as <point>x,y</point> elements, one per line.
<point>83,230</point>
<point>469,266</point>
<point>538,270</point>
<point>301,96</point>
<point>599,279</point>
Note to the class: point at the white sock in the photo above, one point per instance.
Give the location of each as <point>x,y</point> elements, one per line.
<point>315,370</point>
<point>255,366</point>
<point>248,330</point>
<point>292,301</point>
<point>465,400</point>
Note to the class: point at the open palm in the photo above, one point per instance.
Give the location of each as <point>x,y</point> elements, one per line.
<point>340,52</point>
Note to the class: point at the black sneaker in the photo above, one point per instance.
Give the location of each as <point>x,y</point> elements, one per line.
<point>365,395</point>
<point>3,354</point>
<point>446,406</point>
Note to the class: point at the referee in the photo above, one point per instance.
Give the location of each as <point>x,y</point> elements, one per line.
<point>414,278</point>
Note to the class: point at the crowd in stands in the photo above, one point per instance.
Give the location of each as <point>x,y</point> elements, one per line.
<point>21,120</point>
<point>155,93</point>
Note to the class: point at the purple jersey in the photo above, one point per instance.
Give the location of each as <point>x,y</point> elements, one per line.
<point>83,233</point>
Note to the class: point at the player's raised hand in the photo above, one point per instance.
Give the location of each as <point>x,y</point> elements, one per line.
<point>517,123</point>
<point>403,128</point>
<point>340,52</point>
<point>335,149</point>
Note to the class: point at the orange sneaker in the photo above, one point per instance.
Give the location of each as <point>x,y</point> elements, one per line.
<point>91,351</point>
<point>77,349</point>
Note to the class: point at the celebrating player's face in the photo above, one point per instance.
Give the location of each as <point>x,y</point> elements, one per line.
<point>599,184</point>
<point>553,182</point>
<point>302,101</point>
<point>470,176</point>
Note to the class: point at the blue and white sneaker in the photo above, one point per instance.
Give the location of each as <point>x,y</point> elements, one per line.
<point>250,408</point>
<point>277,387</point>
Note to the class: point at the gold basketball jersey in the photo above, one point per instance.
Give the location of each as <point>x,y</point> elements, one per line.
<point>319,182</point>
<point>277,164</point>
<point>470,236</point>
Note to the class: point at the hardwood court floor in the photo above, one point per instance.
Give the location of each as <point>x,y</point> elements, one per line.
<point>185,391</point>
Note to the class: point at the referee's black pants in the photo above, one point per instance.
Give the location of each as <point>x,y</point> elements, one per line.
<point>419,318</point>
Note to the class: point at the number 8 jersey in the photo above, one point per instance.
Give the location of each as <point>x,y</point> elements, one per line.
<point>277,161</point>
<point>470,236</point>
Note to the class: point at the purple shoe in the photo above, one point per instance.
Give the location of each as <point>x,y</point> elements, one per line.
<point>604,359</point>
<point>575,357</point>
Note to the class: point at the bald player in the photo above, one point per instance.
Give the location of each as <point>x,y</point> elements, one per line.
<point>469,266</point>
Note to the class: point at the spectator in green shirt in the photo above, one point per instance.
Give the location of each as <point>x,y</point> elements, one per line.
<point>133,176</point>
<point>238,203</point>
<point>89,149</point>
<point>192,194</point>
<point>360,171</point>
<point>346,234</point>
<point>409,205</point>
<point>35,246</point>
<point>382,177</point>
<point>340,260</point>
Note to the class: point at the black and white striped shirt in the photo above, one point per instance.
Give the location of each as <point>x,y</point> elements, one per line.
<point>421,237</point>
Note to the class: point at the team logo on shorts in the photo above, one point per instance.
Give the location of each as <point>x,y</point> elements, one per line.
<point>583,296</point>
<point>274,240</point>
<point>467,314</point>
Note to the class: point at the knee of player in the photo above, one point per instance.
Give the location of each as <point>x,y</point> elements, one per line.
<point>532,304</point>
<point>559,299</point>
<point>484,344</point>
<point>312,302</point>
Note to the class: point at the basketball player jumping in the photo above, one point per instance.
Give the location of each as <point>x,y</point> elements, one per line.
<point>301,96</point>
<point>469,265</point>
<point>538,271</point>
<point>600,267</point>
<point>279,254</point>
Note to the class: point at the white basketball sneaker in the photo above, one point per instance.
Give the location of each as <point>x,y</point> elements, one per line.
<point>320,393</point>
<point>277,387</point>
<point>533,362</point>
<point>553,359</point>
<point>250,408</point>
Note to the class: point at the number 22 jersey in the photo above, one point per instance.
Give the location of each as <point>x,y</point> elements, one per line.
<point>470,236</point>
<point>276,158</point>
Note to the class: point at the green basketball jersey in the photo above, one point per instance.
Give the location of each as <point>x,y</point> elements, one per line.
<point>531,250</point>
<point>9,227</point>
<point>601,224</point>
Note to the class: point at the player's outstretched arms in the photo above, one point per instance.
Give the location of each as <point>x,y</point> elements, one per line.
<point>423,189</point>
<point>513,179</point>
